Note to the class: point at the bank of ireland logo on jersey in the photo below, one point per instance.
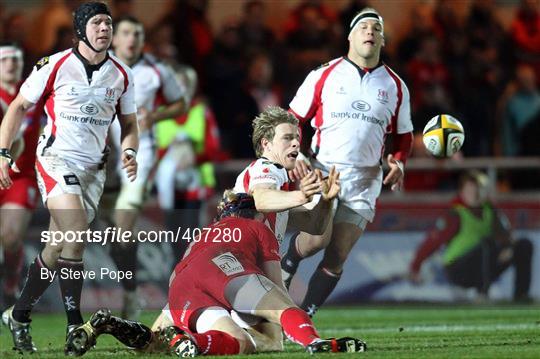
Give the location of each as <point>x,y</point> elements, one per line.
<point>89,109</point>
<point>361,105</point>
<point>110,95</point>
<point>228,263</point>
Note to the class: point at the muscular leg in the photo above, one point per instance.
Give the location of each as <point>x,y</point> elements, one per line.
<point>257,295</point>
<point>14,220</point>
<point>328,273</point>
<point>68,214</point>
<point>127,210</point>
<point>40,273</point>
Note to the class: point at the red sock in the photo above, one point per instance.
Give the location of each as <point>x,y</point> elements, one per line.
<point>13,262</point>
<point>215,342</point>
<point>298,327</point>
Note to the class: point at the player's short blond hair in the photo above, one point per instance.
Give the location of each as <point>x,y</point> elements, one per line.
<point>264,125</point>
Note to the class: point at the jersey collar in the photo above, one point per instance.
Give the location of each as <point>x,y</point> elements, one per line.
<point>90,68</point>
<point>363,70</point>
<point>274,163</point>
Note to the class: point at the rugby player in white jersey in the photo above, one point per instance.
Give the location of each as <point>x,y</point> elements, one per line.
<point>353,103</point>
<point>276,140</point>
<point>83,89</point>
<point>156,87</point>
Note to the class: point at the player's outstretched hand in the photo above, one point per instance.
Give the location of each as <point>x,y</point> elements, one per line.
<point>330,186</point>
<point>129,163</point>
<point>301,169</point>
<point>395,175</point>
<point>309,185</point>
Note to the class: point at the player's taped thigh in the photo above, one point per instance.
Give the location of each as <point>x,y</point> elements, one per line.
<point>132,196</point>
<point>345,214</point>
<point>244,293</point>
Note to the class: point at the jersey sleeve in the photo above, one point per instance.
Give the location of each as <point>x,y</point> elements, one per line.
<point>127,100</point>
<point>304,103</point>
<point>173,90</point>
<point>34,86</point>
<point>265,172</point>
<point>404,123</point>
<point>268,244</point>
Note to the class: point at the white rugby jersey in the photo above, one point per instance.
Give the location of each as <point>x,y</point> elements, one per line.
<point>79,111</point>
<point>352,111</point>
<point>263,171</point>
<point>155,83</point>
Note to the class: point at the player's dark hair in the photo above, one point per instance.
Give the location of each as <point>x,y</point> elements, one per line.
<point>237,205</point>
<point>127,18</point>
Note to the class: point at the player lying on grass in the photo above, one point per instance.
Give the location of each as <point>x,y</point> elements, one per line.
<point>235,268</point>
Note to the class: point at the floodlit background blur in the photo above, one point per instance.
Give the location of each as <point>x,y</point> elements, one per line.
<point>477,60</point>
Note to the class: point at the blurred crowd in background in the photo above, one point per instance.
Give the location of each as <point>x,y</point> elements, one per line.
<point>466,64</point>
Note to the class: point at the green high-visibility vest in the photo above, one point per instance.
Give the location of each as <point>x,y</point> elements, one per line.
<point>194,128</point>
<point>472,231</point>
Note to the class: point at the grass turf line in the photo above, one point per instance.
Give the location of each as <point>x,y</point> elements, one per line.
<point>397,331</point>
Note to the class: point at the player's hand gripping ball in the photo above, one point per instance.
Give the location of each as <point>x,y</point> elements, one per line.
<point>443,136</point>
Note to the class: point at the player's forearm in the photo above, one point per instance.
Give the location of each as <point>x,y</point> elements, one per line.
<point>11,123</point>
<point>129,136</point>
<point>173,110</point>
<point>402,146</point>
<point>272,200</point>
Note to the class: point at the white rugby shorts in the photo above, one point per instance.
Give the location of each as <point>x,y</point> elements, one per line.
<point>57,176</point>
<point>360,188</point>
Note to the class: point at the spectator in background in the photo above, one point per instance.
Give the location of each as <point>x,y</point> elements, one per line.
<point>121,8</point>
<point>483,86</point>
<point>307,46</point>
<point>421,26</point>
<point>192,35</point>
<point>525,34</point>
<point>429,79</point>
<point>226,88</point>
<point>325,13</point>
<point>482,23</point>
<point>445,19</point>
<point>260,80</point>
<point>254,33</point>
<point>162,43</point>
<point>44,27</point>
<point>479,243</point>
<point>64,39</point>
<point>519,110</point>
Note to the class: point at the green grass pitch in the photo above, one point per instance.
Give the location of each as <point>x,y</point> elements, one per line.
<point>393,331</point>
